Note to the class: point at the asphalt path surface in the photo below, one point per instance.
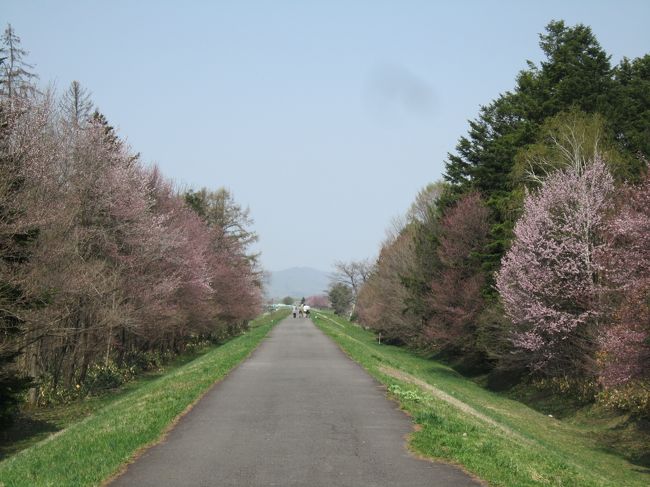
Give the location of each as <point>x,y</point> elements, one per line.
<point>298,412</point>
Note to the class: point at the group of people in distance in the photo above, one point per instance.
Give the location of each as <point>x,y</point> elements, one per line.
<point>302,310</point>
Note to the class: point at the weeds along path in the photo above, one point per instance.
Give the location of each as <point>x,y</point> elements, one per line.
<point>457,403</point>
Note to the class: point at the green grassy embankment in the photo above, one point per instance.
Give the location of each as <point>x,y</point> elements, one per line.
<point>91,450</point>
<point>500,440</point>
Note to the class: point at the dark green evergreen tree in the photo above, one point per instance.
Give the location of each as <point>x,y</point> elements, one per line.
<point>630,113</point>
<point>341,297</point>
<point>110,136</point>
<point>576,74</point>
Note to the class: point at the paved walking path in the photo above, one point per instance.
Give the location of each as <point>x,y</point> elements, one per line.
<point>296,413</point>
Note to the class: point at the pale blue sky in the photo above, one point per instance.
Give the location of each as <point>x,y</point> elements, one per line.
<point>325,118</point>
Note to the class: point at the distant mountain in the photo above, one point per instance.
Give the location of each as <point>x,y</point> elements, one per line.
<point>297,282</point>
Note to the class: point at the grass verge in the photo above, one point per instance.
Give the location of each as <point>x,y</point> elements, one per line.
<point>34,424</point>
<point>95,448</point>
<point>500,440</point>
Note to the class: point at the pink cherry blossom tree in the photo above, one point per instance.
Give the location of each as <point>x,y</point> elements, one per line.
<point>318,301</point>
<point>625,345</point>
<point>549,279</point>
<point>112,255</point>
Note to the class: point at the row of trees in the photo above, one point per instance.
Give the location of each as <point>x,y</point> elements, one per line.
<point>531,258</point>
<point>103,263</point>
<point>315,301</point>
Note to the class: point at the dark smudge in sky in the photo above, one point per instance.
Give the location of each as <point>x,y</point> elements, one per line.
<point>393,88</point>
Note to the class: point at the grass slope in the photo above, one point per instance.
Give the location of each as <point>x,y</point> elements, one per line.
<point>92,450</point>
<point>500,440</point>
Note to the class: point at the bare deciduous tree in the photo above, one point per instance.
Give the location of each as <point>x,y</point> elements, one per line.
<point>353,273</point>
<point>76,104</point>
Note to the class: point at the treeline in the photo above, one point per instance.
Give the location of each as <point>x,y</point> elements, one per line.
<point>531,260</point>
<point>105,267</point>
